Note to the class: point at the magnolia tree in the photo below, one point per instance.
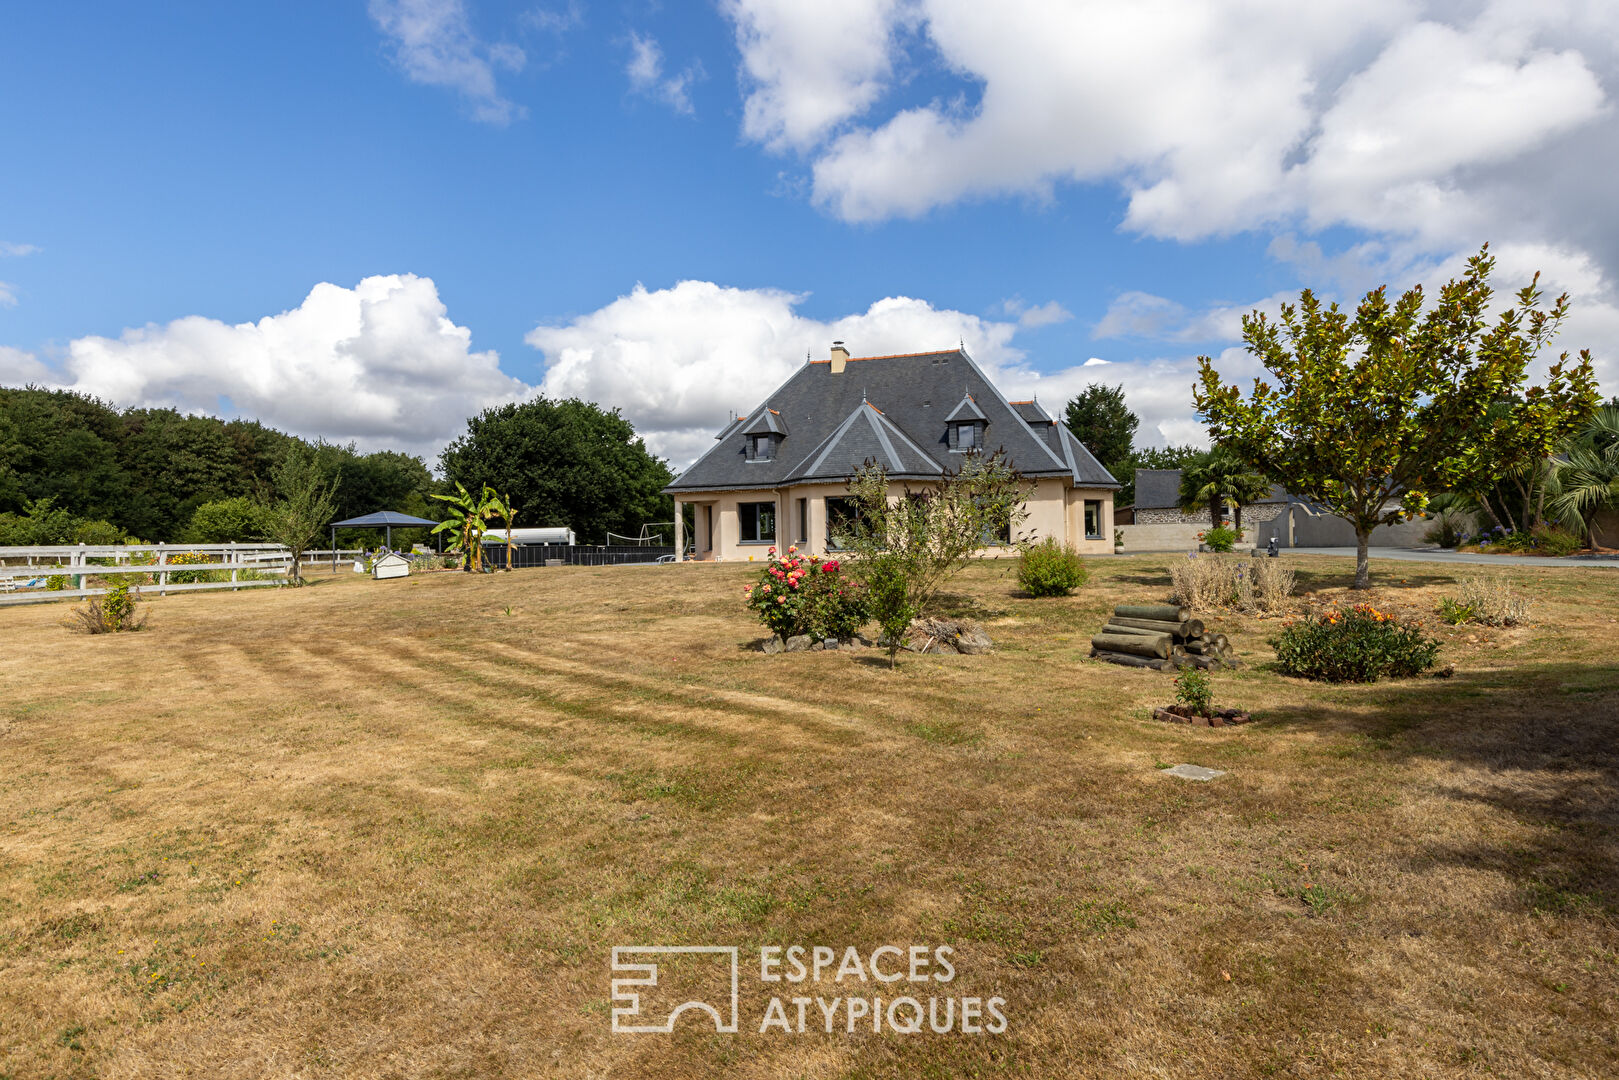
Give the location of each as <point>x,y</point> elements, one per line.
<point>1368,414</point>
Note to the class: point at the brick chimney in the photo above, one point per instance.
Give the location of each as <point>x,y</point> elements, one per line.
<point>840,356</point>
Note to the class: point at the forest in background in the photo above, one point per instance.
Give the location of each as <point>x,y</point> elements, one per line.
<point>74,469</point>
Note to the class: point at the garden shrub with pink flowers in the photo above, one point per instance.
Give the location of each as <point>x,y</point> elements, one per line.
<point>806,594</point>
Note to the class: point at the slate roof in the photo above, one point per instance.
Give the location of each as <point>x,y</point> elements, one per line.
<point>894,409</point>
<point>967,408</point>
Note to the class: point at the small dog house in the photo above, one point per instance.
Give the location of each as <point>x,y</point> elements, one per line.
<point>391,565</point>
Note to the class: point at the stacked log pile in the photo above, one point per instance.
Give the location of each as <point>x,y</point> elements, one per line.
<point>1160,636</point>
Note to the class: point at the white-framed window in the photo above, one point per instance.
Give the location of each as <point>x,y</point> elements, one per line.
<point>758,521</point>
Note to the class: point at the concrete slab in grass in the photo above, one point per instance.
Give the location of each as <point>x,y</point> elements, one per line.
<point>1193,772</point>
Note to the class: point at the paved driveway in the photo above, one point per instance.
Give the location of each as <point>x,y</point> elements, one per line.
<point>1439,555</point>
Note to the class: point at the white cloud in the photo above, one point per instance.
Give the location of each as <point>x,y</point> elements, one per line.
<point>11,250</point>
<point>380,364</point>
<point>18,368</point>
<point>1032,318</point>
<point>811,66</point>
<point>434,45</point>
<point>8,294</point>
<point>1095,361</point>
<point>1213,118</point>
<point>645,71</point>
<point>677,361</point>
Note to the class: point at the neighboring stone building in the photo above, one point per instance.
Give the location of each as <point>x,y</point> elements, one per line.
<point>1158,492</point>
<point>779,475</point>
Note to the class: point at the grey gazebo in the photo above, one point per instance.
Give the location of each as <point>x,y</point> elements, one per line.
<point>386,520</point>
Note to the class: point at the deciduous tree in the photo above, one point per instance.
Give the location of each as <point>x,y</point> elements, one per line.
<point>1369,414</point>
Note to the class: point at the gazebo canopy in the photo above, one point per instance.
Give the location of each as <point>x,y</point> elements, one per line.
<point>386,520</point>
<point>382,519</point>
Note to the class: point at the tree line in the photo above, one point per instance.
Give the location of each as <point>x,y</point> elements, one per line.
<point>75,469</point>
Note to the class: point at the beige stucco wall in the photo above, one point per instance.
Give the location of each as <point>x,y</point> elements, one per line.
<point>1055,510</point>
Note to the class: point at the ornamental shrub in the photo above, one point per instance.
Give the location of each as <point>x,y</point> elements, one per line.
<point>1220,538</point>
<point>799,594</point>
<point>113,613</point>
<point>1193,688</point>
<point>1047,569</point>
<point>1360,644</point>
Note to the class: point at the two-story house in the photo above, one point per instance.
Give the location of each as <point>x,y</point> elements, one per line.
<point>779,475</point>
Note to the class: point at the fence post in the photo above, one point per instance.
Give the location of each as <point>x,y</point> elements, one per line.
<point>163,575</point>
<point>235,560</point>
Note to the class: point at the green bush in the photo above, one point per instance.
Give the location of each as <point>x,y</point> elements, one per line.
<point>1361,644</point>
<point>225,520</point>
<point>1220,538</point>
<point>1049,570</point>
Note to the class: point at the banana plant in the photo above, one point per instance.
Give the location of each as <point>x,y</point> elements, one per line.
<point>501,507</point>
<point>468,513</point>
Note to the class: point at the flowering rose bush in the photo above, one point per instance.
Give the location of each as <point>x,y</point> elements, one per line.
<point>799,594</point>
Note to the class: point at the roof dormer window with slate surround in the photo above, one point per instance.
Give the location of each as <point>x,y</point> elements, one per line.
<point>965,426</point>
<point>764,436</point>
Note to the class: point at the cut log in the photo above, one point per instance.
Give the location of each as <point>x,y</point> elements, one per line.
<point>1156,648</point>
<point>1188,628</point>
<point>1115,628</point>
<point>1156,612</point>
<point>1199,647</point>
<point>1126,660</point>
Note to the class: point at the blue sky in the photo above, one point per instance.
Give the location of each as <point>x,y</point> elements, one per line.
<point>1057,184</point>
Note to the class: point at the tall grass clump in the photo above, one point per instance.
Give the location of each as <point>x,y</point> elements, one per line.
<point>1203,582</point>
<point>1492,601</point>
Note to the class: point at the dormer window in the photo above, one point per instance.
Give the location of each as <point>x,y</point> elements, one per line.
<point>965,425</point>
<point>764,435</point>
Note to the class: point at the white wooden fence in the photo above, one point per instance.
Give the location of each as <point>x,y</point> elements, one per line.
<point>26,573</point>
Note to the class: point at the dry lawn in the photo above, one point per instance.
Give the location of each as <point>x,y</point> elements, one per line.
<point>393,829</point>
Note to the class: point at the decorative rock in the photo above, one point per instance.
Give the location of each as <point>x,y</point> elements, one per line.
<point>831,643</point>
<point>798,643</point>
<point>973,642</point>
<point>1193,772</point>
<point>771,645</point>
<point>817,646</point>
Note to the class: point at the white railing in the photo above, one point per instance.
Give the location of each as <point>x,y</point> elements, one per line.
<point>27,573</point>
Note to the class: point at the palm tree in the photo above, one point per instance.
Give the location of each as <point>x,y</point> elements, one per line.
<point>502,508</point>
<point>1200,485</point>
<point>1586,479</point>
<point>1216,478</point>
<point>468,514</point>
